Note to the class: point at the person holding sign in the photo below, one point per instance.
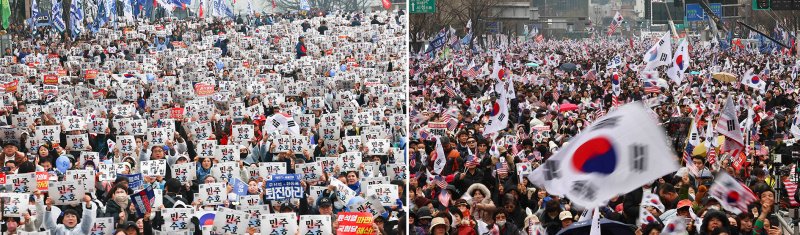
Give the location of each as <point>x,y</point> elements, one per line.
<point>70,223</point>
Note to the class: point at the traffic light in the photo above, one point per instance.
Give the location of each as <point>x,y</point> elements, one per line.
<point>761,4</point>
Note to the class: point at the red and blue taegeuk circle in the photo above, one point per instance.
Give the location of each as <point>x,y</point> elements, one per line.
<point>596,155</point>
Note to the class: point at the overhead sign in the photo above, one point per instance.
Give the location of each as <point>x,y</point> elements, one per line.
<point>422,6</point>
<point>694,12</point>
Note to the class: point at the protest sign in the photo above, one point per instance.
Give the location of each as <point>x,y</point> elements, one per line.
<point>22,183</point>
<point>16,204</point>
<point>225,170</point>
<point>343,193</point>
<point>271,168</point>
<point>309,171</point>
<point>106,172</point>
<point>42,180</point>
<point>176,219</point>
<point>366,181</point>
<point>254,212</point>
<point>386,193</point>
<point>184,172</point>
<point>279,223</point>
<point>315,225</point>
<point>135,181</point>
<point>86,177</point>
<point>212,194</point>
<point>228,221</point>
<point>282,186</point>
<point>396,171</point>
<point>143,200</point>
<point>226,153</point>
<point>153,167</point>
<point>65,193</point>
<point>354,223</point>
<point>102,226</point>
<point>349,161</point>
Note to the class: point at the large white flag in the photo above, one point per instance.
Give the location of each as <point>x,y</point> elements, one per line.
<point>498,119</point>
<point>728,125</point>
<point>754,81</point>
<point>680,62</point>
<point>620,152</point>
<point>440,160</point>
<point>733,196</point>
<point>281,122</point>
<point>659,54</point>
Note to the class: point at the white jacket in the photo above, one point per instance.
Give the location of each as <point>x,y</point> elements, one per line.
<point>82,228</point>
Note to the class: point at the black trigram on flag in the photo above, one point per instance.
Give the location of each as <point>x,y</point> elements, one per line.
<point>638,157</point>
<point>606,123</point>
<point>551,169</point>
<point>585,190</point>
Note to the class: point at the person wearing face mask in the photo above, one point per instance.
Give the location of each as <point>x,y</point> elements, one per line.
<point>504,227</point>
<point>118,205</point>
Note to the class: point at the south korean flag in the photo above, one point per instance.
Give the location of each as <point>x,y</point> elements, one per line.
<point>616,154</point>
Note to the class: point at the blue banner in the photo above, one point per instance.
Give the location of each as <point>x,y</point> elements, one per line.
<point>135,181</point>
<point>239,186</point>
<point>283,186</point>
<point>142,200</point>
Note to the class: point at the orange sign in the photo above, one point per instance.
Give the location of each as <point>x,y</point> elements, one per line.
<point>42,180</point>
<point>62,72</point>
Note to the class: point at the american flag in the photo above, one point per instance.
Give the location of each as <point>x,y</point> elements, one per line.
<point>440,182</point>
<point>651,87</point>
<point>502,168</point>
<point>599,113</point>
<point>471,72</point>
<point>687,156</point>
<point>711,155</point>
<point>450,91</point>
<point>472,161</point>
<point>444,197</point>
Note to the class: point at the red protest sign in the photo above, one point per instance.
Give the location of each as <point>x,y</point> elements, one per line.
<point>50,79</point>
<point>42,180</point>
<point>11,86</point>
<point>62,72</point>
<point>2,178</point>
<point>90,74</point>
<point>176,113</point>
<point>203,89</point>
<point>351,223</point>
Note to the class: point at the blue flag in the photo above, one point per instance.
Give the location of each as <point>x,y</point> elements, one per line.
<point>437,43</point>
<point>57,21</point>
<point>76,18</point>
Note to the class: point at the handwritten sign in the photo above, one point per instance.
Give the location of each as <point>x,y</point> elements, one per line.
<point>153,167</point>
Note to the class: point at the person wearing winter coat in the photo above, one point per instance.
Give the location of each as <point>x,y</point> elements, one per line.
<point>481,206</point>
<point>70,224</point>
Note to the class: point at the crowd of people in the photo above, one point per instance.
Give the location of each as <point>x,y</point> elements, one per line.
<point>560,86</point>
<point>275,124</point>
